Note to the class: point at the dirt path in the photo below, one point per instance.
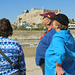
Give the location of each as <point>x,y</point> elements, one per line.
<point>31,68</point>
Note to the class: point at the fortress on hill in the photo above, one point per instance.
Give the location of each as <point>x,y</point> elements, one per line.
<point>33,16</point>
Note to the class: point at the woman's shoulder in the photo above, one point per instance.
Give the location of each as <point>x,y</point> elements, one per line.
<point>10,41</point>
<point>14,41</point>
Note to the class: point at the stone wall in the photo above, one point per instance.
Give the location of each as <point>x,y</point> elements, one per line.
<point>27,38</point>
<point>30,38</point>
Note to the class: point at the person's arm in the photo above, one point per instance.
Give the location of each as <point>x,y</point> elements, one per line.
<point>59,70</point>
<point>60,54</point>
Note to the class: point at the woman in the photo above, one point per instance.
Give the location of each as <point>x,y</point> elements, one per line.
<point>60,56</point>
<point>11,49</point>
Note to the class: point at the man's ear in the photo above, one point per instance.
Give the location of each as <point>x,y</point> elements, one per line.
<point>48,21</point>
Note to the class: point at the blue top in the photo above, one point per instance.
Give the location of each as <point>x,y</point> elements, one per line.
<point>61,50</point>
<point>42,47</point>
<point>14,52</point>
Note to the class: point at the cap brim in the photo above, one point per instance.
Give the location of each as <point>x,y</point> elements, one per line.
<point>43,15</point>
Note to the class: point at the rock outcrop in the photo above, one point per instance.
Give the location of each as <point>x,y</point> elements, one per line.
<point>33,16</point>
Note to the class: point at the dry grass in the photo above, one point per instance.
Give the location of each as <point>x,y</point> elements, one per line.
<point>20,35</point>
<point>29,51</point>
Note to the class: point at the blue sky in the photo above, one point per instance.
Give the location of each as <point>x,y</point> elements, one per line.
<point>10,9</point>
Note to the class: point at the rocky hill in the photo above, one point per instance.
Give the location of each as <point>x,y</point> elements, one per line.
<point>33,16</point>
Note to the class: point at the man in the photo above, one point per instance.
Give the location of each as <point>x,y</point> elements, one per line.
<point>60,55</point>
<point>45,40</point>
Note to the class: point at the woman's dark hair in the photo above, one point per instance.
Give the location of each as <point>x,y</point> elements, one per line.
<point>5,28</point>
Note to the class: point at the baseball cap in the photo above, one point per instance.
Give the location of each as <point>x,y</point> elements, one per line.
<point>61,18</point>
<point>48,14</point>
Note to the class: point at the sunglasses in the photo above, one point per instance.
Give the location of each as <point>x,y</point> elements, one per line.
<point>44,17</point>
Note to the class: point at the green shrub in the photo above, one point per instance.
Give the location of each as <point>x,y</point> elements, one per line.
<point>14,27</point>
<point>21,27</point>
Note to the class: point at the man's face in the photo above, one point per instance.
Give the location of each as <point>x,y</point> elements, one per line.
<point>45,21</point>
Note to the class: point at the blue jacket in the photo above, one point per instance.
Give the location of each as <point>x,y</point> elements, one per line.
<point>61,50</point>
<point>42,47</point>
